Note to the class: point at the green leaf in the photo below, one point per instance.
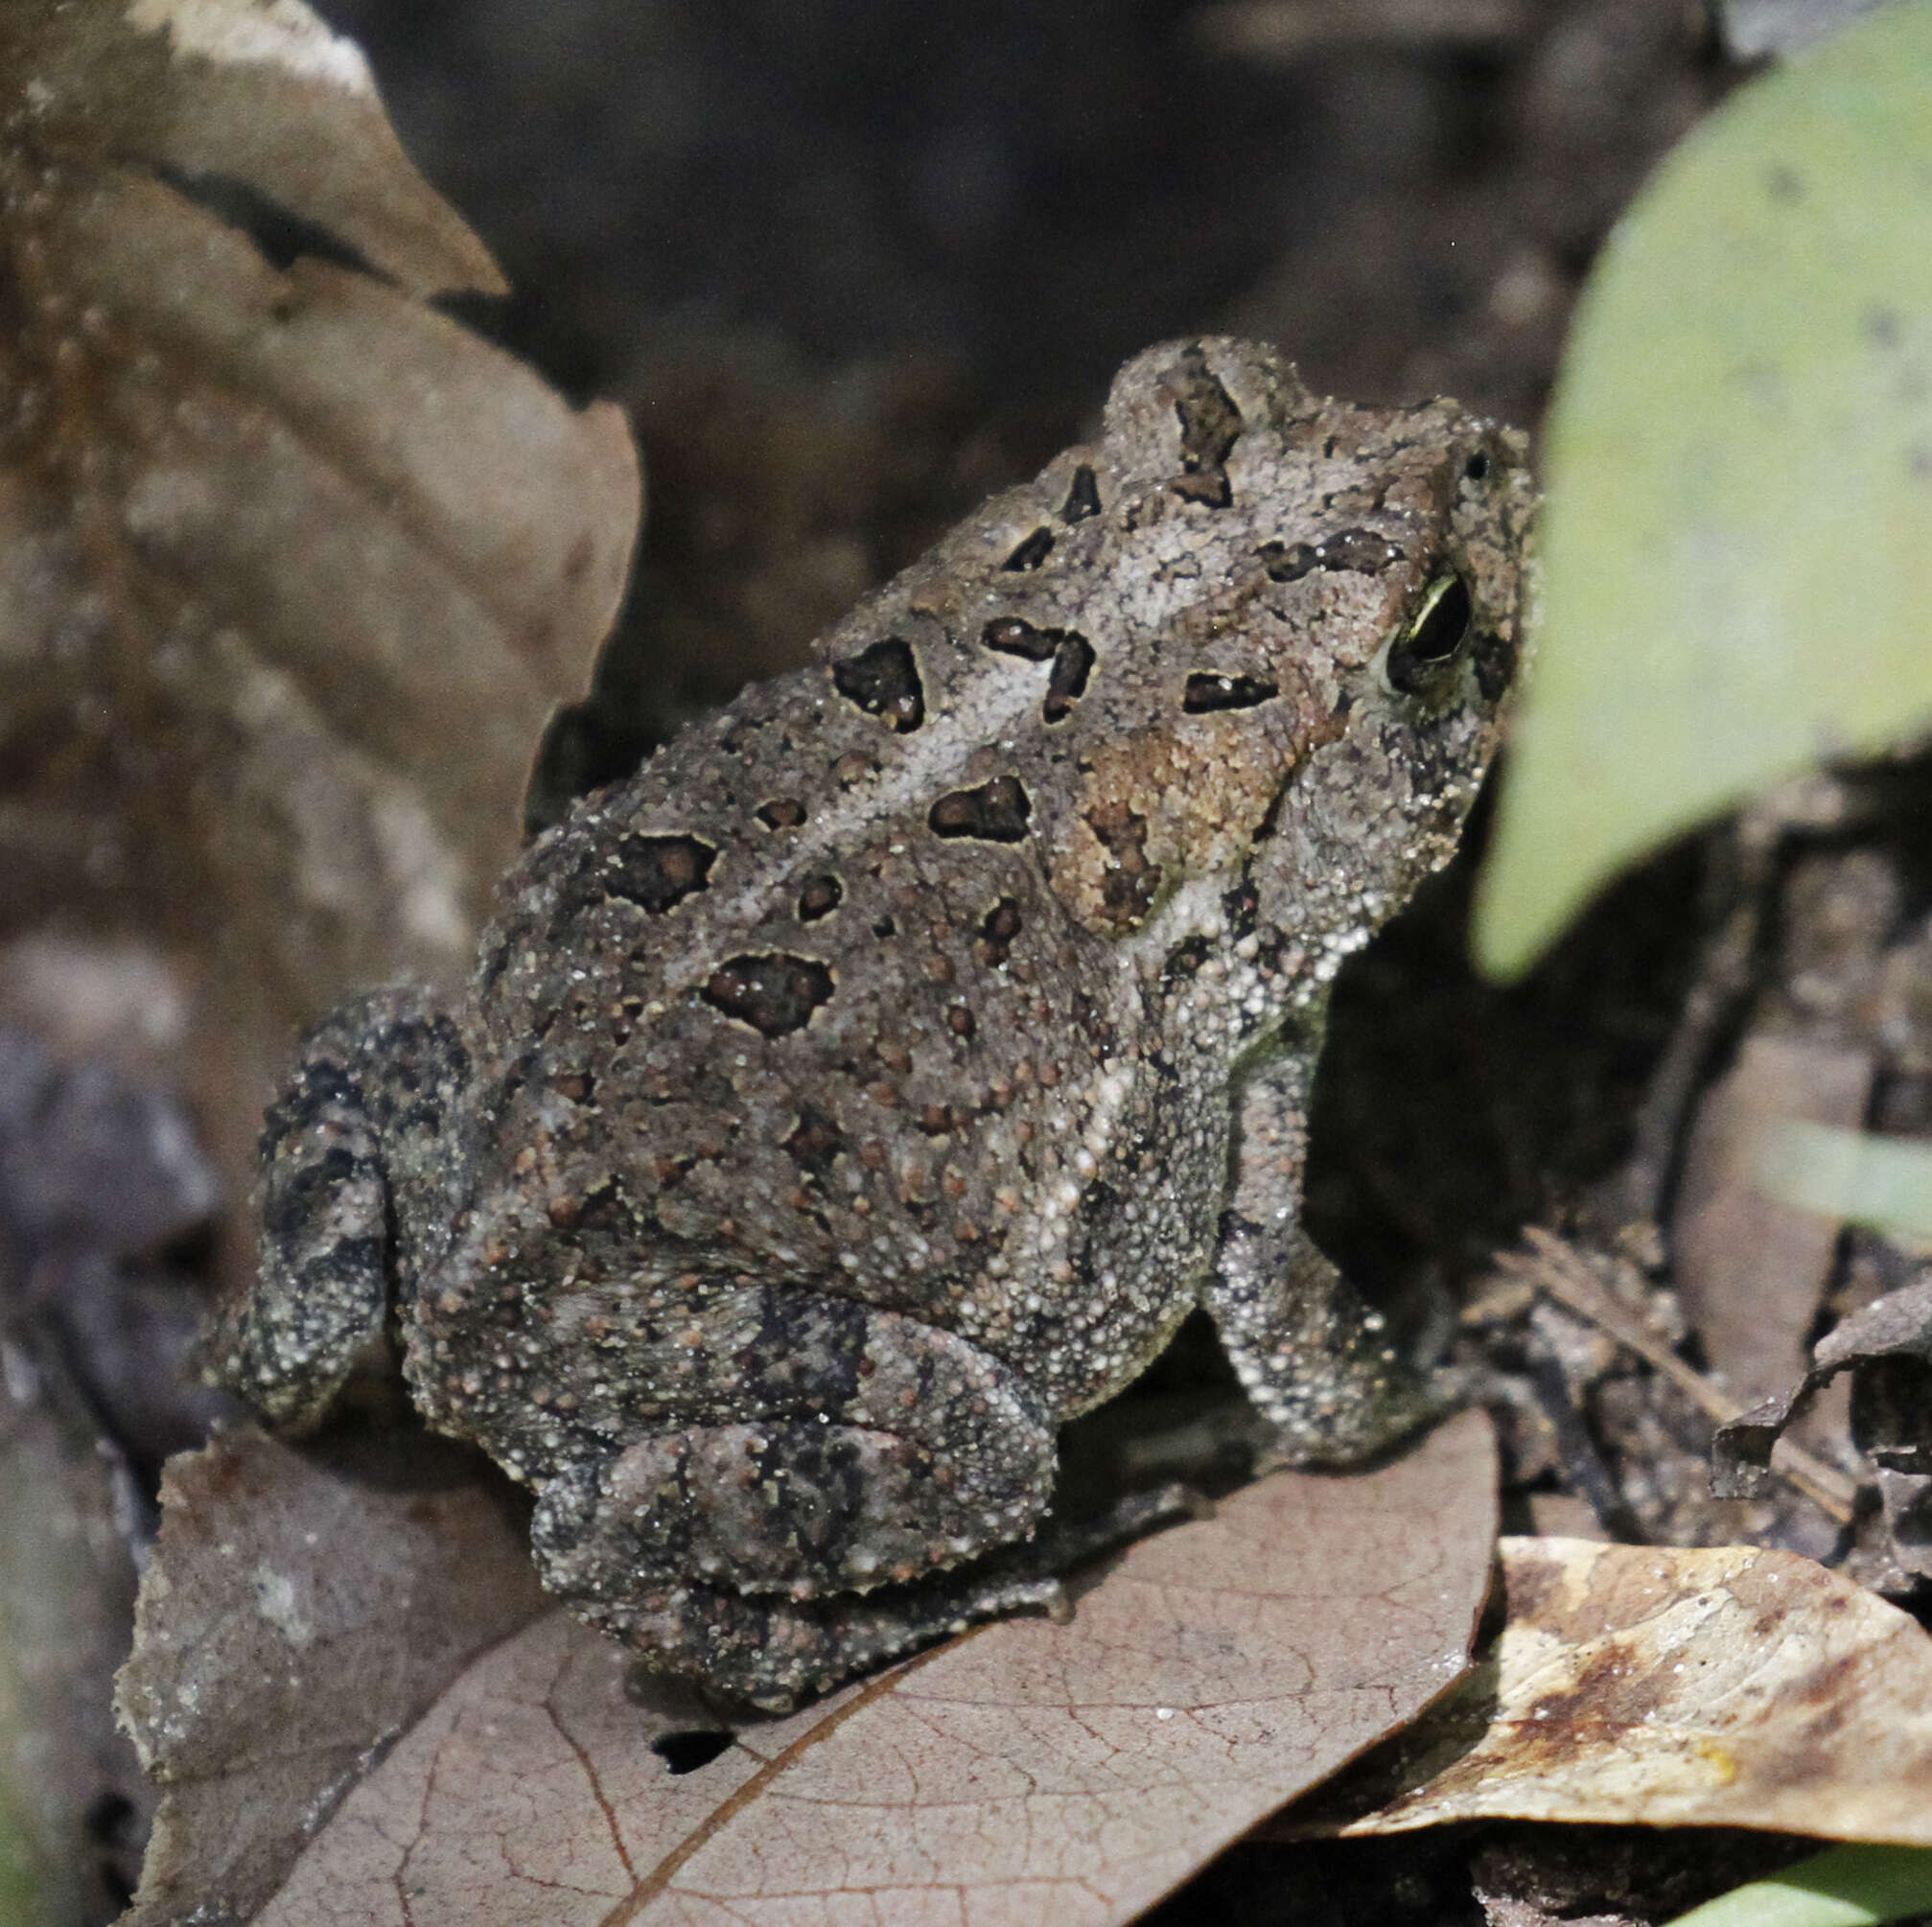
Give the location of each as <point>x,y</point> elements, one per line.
<point>1882,1182</point>
<point>1841,1887</point>
<point>19,1889</point>
<point>1737,541</point>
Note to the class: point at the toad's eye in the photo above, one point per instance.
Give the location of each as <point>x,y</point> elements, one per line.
<point>1436,633</point>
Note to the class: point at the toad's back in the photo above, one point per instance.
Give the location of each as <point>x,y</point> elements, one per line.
<point>915,978</point>
<point>873,1081</point>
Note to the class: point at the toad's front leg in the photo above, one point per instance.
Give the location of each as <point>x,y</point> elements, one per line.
<point>1315,1361</point>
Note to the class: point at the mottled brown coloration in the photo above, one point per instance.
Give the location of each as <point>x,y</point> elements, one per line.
<point>874,1081</point>
<point>1660,1685</point>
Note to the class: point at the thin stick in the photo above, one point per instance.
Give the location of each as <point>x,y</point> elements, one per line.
<point>1551,1265</point>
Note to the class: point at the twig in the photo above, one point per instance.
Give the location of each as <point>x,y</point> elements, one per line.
<point>1551,1265</point>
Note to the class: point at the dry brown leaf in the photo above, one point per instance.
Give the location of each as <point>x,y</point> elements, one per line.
<point>261,96</point>
<point>1895,1330</point>
<point>1753,1270</point>
<point>294,565</point>
<point>1887,1347</point>
<point>300,1609</point>
<point>1679,1686</point>
<point>1028,1772</point>
<point>1603,1289</point>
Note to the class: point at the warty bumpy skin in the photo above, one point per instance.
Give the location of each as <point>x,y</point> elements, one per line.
<point>874,1081</point>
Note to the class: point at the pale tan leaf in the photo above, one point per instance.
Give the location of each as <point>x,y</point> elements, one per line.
<point>1753,1270</point>
<point>292,565</point>
<point>1028,1772</point>
<point>244,92</point>
<point>1682,1686</point>
<point>300,1609</point>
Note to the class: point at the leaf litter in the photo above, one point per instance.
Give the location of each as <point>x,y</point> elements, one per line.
<point>300,1609</point>
<point>276,533</point>
<point>1732,1685</point>
<point>1027,1771</point>
<point>164,586</point>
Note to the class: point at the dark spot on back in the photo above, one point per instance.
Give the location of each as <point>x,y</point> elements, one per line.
<point>781,813</point>
<point>884,681</point>
<point>294,1196</point>
<point>1083,498</point>
<point>1032,552</point>
<point>1288,560</point>
<point>1012,636</point>
<point>1210,426</point>
<point>1476,468</point>
<point>1206,695</point>
<point>815,1140</point>
<point>996,811</point>
<point>1070,653</point>
<point>1072,664</point>
<point>604,1211</point>
<point>1211,488</point>
<point>773,993</point>
<point>320,1084</point>
<point>658,872</point>
<point>819,896</point>
<point>1357,550</point>
<point>997,931</point>
<point>1132,882</point>
<point>806,1356</point>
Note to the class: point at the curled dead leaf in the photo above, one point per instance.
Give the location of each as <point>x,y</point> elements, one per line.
<point>253,99</point>
<point>1673,1686</point>
<point>1027,1771</point>
<point>299,1611</point>
<point>275,532</point>
<point>1892,1332</point>
<point>1887,1347</point>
